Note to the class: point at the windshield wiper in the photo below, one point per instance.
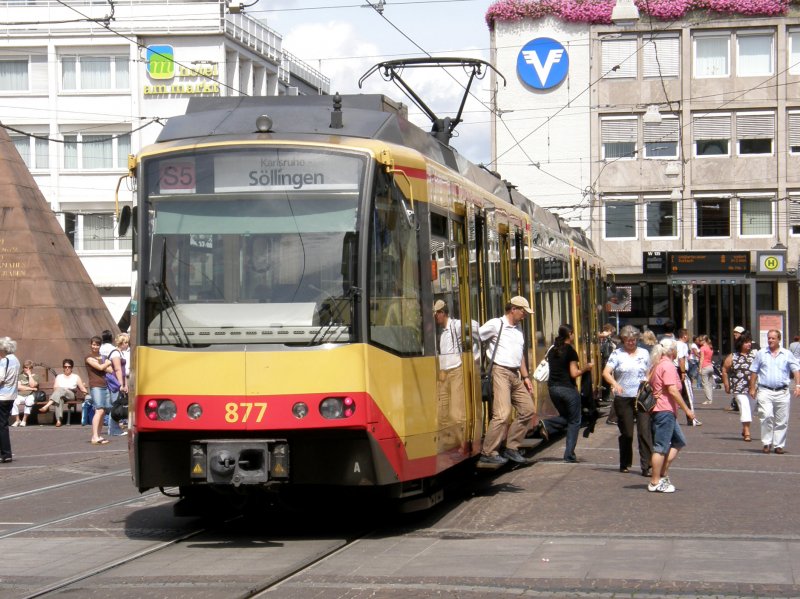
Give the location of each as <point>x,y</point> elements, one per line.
<point>167,303</point>
<point>336,308</point>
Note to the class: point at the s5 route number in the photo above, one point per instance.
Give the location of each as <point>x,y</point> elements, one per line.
<point>245,412</point>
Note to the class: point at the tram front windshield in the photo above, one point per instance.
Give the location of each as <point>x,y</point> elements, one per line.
<point>251,246</point>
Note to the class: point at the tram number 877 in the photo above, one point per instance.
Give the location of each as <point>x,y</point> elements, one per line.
<point>233,415</point>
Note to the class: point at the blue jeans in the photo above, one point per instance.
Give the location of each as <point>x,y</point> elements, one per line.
<point>667,432</point>
<point>567,400</point>
<point>100,398</point>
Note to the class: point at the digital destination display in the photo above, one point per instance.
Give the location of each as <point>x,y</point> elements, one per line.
<point>709,262</point>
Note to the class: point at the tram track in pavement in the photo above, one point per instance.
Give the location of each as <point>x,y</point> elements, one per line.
<point>70,483</point>
<point>76,515</point>
<point>81,582</point>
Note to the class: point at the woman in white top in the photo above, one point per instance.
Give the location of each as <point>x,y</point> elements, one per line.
<point>9,378</point>
<point>64,389</point>
<point>626,368</point>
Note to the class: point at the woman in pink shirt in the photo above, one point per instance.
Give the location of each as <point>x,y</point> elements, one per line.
<point>706,368</point>
<point>668,438</point>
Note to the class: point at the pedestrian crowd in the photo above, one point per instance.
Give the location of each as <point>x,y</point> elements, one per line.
<point>673,365</point>
<point>107,365</point>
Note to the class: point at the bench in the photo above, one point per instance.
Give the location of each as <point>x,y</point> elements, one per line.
<point>71,408</point>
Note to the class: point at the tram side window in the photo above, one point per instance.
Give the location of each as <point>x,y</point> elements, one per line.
<point>395,314</point>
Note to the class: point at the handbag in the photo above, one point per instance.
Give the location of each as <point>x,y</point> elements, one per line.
<point>487,386</point>
<point>645,400</point>
<point>542,372</point>
<point>119,411</point>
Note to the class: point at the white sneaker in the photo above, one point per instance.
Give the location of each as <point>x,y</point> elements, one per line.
<point>663,486</point>
<point>16,423</point>
<point>22,423</point>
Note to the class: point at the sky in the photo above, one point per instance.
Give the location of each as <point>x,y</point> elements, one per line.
<point>344,38</point>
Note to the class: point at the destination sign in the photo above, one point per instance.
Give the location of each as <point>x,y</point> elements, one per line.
<point>708,262</point>
<point>285,171</point>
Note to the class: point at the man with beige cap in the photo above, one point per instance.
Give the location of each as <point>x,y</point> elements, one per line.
<point>511,383</point>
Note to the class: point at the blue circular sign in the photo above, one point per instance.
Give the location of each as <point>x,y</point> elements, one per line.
<point>543,63</point>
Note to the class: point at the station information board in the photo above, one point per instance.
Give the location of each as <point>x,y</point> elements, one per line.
<point>654,263</point>
<point>709,262</point>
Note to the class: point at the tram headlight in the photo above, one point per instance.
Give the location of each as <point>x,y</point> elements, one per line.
<point>167,410</point>
<point>333,408</point>
<point>300,410</point>
<point>194,411</point>
<point>160,409</point>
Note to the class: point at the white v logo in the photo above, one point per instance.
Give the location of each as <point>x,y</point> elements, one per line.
<point>542,70</point>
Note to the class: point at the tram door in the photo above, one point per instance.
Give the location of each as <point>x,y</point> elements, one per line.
<point>456,333</point>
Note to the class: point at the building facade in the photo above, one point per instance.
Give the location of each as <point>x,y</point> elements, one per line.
<point>83,86</point>
<point>678,152</point>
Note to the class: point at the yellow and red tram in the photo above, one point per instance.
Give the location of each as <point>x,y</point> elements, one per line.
<point>290,251</point>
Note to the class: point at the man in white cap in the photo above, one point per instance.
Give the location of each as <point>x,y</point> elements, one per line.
<point>511,383</point>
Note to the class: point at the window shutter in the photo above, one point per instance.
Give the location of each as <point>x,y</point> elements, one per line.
<point>794,128</point>
<point>666,130</point>
<point>794,210</point>
<point>712,127</point>
<point>38,66</point>
<point>755,126</point>
<point>661,56</point>
<point>622,53</point>
<point>618,130</point>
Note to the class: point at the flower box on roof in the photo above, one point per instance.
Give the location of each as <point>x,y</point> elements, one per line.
<point>598,12</point>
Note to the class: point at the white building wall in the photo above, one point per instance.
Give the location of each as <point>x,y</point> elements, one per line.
<point>247,58</point>
<point>550,128</point>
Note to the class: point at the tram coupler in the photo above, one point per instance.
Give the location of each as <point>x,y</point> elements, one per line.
<point>239,462</point>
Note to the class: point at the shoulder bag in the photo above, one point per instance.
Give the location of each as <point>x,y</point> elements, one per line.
<point>111,379</point>
<point>542,372</point>
<point>487,386</point>
<point>645,400</point>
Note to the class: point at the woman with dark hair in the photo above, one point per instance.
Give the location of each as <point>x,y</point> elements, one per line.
<point>736,378</point>
<point>564,369</point>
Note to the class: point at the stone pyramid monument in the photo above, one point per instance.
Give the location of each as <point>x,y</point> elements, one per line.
<point>48,303</point>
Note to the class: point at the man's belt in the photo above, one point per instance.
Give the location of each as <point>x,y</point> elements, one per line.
<point>781,388</point>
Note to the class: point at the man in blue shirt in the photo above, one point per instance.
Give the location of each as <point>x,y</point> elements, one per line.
<point>773,372</point>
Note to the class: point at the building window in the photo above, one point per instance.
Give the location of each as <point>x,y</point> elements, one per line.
<point>793,123</point>
<point>662,218</point>
<point>713,217</point>
<point>96,152</point>
<point>619,58</point>
<point>618,137</point>
<point>754,54</point>
<point>794,52</point>
<point>34,152</point>
<point>712,134</point>
<point>794,213</point>
<point>711,56</point>
<point>755,216</point>
<point>98,232</point>
<point>661,139</point>
<point>94,73</point>
<point>661,56</point>
<point>14,75</point>
<point>620,219</point>
<point>755,132</point>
